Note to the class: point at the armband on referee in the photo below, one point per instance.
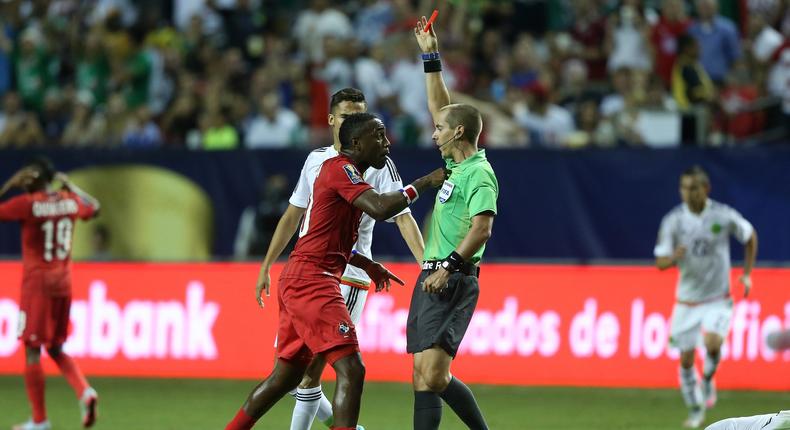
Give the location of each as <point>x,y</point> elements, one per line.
<point>453,263</point>
<point>410,193</point>
<point>431,62</point>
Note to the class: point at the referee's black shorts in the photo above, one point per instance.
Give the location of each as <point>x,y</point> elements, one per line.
<point>441,318</point>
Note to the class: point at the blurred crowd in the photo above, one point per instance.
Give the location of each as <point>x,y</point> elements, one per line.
<point>226,74</point>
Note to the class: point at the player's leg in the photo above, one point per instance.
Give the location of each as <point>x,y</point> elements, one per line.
<point>284,377</point>
<point>745,423</point>
<point>309,396</point>
<point>447,315</point>
<point>34,331</point>
<point>35,382</point>
<point>684,334</point>
<point>716,325</point>
<point>347,362</point>
<point>87,396</point>
<point>434,381</point>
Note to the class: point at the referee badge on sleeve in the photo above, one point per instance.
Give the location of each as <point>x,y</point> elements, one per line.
<point>446,191</point>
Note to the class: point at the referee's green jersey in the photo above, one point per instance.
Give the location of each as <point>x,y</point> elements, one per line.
<point>471,189</point>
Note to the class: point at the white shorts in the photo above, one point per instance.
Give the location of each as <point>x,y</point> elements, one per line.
<point>687,320</point>
<point>780,421</point>
<point>355,300</point>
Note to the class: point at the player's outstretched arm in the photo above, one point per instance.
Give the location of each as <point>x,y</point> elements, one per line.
<point>438,95</point>
<point>384,206</point>
<point>283,233</point>
<point>411,234</point>
<point>377,272</point>
<point>750,256</point>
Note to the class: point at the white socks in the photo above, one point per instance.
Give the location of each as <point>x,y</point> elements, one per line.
<point>710,366</point>
<point>307,402</point>
<point>690,387</point>
<point>324,408</point>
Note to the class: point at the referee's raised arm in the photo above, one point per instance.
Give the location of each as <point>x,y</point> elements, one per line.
<point>438,95</point>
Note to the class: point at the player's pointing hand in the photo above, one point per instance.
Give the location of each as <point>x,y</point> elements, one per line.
<point>381,276</point>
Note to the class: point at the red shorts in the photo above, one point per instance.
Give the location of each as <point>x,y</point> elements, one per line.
<point>313,318</point>
<point>44,316</point>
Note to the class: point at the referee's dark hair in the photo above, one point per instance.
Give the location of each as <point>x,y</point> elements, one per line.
<point>346,95</point>
<point>353,127</point>
<point>697,171</point>
<point>467,116</point>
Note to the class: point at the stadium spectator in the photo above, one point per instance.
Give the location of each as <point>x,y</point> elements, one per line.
<point>313,25</point>
<point>589,33</point>
<point>142,131</point>
<point>548,125</point>
<point>691,85</point>
<point>628,38</point>
<point>664,36</point>
<point>275,126</point>
<point>93,70</point>
<point>217,133</point>
<point>85,127</point>
<point>718,38</point>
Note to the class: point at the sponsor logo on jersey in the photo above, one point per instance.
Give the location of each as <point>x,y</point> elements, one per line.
<point>446,191</point>
<point>353,173</point>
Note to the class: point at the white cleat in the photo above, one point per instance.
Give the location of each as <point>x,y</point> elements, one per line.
<point>359,427</point>
<point>695,418</point>
<point>88,407</point>
<point>30,425</point>
<point>709,393</point>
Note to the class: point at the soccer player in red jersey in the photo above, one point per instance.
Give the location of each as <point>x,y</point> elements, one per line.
<point>47,217</point>
<point>313,316</point>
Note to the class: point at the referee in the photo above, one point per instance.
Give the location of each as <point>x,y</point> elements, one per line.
<point>446,292</point>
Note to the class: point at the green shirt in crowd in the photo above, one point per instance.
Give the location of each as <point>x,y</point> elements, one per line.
<point>471,190</point>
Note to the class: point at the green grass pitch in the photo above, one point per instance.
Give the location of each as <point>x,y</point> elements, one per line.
<point>153,404</point>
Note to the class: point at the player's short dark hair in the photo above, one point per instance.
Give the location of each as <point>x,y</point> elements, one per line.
<point>346,95</point>
<point>45,168</point>
<point>469,117</point>
<point>353,127</point>
<point>698,171</point>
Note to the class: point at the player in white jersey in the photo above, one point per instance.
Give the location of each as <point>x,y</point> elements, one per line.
<point>695,236</point>
<point>779,421</point>
<point>310,400</point>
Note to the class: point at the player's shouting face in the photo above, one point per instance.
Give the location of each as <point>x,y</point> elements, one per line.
<point>373,145</point>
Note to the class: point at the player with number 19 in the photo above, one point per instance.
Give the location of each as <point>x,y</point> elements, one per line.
<point>47,217</point>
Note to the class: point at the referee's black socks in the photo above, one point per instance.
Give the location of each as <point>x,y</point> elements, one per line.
<point>427,410</point>
<point>460,398</point>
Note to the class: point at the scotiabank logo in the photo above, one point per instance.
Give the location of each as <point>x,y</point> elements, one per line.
<point>139,329</point>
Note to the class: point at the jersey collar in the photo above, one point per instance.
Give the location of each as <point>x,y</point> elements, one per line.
<point>704,209</point>
<point>478,157</point>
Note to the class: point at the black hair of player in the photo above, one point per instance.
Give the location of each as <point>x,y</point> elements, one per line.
<point>346,95</point>
<point>45,168</point>
<point>353,127</point>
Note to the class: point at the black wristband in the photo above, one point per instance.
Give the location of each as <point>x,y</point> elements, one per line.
<point>454,262</point>
<point>432,66</point>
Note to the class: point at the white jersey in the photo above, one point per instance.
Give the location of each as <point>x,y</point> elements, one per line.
<point>382,180</point>
<point>705,269</point>
<point>780,421</point>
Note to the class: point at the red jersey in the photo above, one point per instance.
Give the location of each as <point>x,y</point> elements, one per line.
<point>47,220</point>
<point>331,221</point>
